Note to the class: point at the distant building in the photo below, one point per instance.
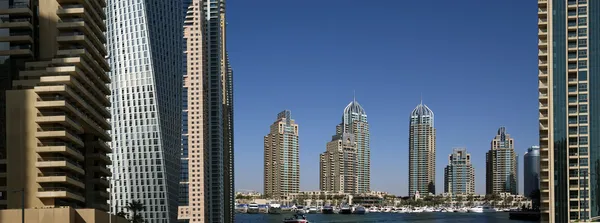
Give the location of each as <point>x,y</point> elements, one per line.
<point>421,143</point>
<point>459,175</point>
<point>281,160</point>
<point>338,165</point>
<point>531,173</point>
<point>501,165</point>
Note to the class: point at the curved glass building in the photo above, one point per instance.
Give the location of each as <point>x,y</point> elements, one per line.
<point>531,168</point>
<point>146,113</point>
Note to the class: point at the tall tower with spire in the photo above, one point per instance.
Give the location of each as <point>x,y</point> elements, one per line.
<point>421,151</point>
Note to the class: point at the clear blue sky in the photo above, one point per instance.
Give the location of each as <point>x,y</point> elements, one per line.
<point>474,62</point>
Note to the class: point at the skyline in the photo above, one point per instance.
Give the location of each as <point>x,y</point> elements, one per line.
<point>499,57</point>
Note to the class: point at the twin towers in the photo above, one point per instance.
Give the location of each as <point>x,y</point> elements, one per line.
<point>345,166</point>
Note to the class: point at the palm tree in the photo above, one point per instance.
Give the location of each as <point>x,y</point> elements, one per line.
<point>135,207</point>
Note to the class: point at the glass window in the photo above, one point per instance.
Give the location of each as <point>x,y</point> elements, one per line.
<point>582,21</point>
<point>582,54</point>
<point>583,130</point>
<point>583,87</point>
<point>582,75</point>
<point>583,151</point>
<point>583,162</point>
<point>582,11</point>
<point>582,32</point>
<point>582,97</point>
<point>583,119</point>
<point>582,64</point>
<point>583,108</point>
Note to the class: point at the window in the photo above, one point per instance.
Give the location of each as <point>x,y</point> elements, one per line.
<point>582,43</point>
<point>583,151</point>
<point>582,64</point>
<point>582,54</point>
<point>583,98</point>
<point>582,11</point>
<point>583,130</point>
<point>582,32</point>
<point>583,119</point>
<point>582,75</point>
<point>582,21</point>
<point>583,108</point>
<point>583,87</point>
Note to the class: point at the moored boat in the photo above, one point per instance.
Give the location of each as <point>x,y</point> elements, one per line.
<point>312,210</point>
<point>252,208</point>
<point>360,210</point>
<point>327,209</point>
<point>274,208</point>
<point>345,209</point>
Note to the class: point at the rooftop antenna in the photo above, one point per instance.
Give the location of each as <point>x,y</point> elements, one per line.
<point>421,97</point>
<point>354,95</point>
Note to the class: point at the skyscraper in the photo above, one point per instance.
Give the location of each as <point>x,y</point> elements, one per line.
<point>568,57</point>
<point>338,164</point>
<point>217,80</point>
<point>421,145</point>
<point>531,172</point>
<point>281,160</point>
<point>354,121</point>
<point>146,112</point>
<point>459,175</point>
<point>53,97</point>
<point>501,165</point>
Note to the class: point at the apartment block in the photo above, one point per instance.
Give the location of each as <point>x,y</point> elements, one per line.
<point>281,157</point>
<point>501,165</point>
<point>459,174</point>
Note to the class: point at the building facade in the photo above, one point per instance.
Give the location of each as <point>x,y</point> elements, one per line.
<point>54,108</point>
<point>217,77</point>
<point>501,165</point>
<point>421,145</point>
<point>459,175</point>
<point>146,113</point>
<point>531,171</point>
<point>281,157</point>
<point>338,164</point>
<point>355,122</point>
<point>569,87</point>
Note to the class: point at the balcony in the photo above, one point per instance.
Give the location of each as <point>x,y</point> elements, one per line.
<point>103,170</point>
<point>15,24</point>
<point>58,118</point>
<point>59,162</point>
<point>59,192</point>
<point>17,51</point>
<point>101,157</point>
<point>543,126</point>
<point>60,148</point>
<point>102,181</point>
<point>17,9</point>
<point>60,177</point>
<point>59,132</point>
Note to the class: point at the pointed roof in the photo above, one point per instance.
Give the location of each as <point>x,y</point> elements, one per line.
<point>354,107</point>
<point>422,110</point>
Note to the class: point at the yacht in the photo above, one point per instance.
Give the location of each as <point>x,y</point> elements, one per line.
<point>274,208</point>
<point>312,210</point>
<point>252,208</point>
<point>300,209</point>
<point>402,210</point>
<point>345,209</point>
<point>327,209</point>
<point>241,208</point>
<point>482,209</point>
<point>360,210</point>
<point>417,210</point>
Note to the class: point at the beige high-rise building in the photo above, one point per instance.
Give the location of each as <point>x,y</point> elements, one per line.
<point>209,91</point>
<point>501,165</point>
<point>421,162</point>
<point>338,164</point>
<point>459,175</point>
<point>54,87</point>
<point>281,157</point>
<point>568,57</point>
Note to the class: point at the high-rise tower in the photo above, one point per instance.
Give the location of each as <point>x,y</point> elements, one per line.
<point>459,175</point>
<point>338,164</point>
<point>501,164</point>
<point>217,80</point>
<point>569,103</point>
<point>531,170</point>
<point>146,96</point>
<point>281,158</point>
<point>421,151</point>
<point>53,97</point>
<point>354,121</point>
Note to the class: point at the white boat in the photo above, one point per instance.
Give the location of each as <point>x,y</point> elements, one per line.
<point>428,209</point>
<point>462,210</point>
<point>274,209</point>
<point>402,210</point>
<point>417,210</point>
<point>252,208</point>
<point>373,209</point>
<point>312,210</point>
<point>482,209</point>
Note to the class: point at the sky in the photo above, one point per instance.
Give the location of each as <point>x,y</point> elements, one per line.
<point>473,62</point>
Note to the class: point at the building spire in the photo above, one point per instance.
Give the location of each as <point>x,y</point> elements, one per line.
<point>354,95</point>
<point>421,98</point>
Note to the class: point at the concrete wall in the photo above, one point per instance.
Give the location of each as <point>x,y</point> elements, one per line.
<point>58,215</point>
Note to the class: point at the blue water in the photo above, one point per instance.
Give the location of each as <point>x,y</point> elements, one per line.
<point>384,217</point>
